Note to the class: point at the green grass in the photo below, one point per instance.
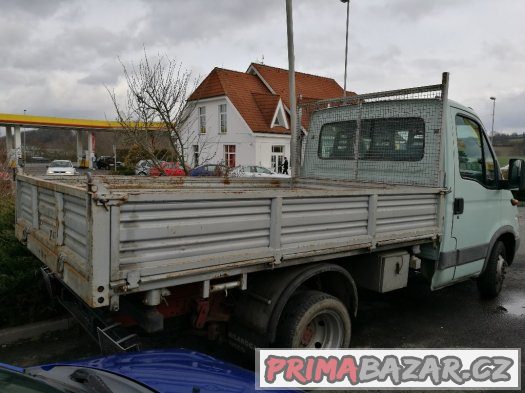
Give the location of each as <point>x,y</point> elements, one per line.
<point>22,290</point>
<point>503,160</point>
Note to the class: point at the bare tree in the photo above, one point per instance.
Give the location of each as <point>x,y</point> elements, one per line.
<point>156,109</point>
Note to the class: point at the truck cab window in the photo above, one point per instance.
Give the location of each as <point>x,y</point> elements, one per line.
<point>476,161</point>
<point>392,139</point>
<point>337,140</point>
<point>490,164</point>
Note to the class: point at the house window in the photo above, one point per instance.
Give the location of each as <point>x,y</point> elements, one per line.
<point>195,155</point>
<point>222,119</point>
<point>229,155</point>
<point>202,119</point>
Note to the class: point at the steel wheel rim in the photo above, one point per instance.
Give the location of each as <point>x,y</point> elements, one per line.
<point>325,330</point>
<point>500,269</point>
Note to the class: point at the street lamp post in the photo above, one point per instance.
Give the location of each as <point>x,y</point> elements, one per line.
<point>346,43</point>
<point>493,112</point>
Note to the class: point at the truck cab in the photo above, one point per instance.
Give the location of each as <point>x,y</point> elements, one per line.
<point>480,231</point>
<point>418,138</point>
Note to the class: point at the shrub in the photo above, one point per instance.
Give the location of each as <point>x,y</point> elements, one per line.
<point>124,171</point>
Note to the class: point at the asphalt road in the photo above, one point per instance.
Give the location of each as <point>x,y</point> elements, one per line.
<point>413,317</point>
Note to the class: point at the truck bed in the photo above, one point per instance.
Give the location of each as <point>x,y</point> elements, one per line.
<point>109,236</point>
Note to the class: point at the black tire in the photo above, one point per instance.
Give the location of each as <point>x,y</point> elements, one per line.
<point>491,280</point>
<point>314,319</point>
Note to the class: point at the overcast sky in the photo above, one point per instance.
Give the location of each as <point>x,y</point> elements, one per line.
<point>58,56</point>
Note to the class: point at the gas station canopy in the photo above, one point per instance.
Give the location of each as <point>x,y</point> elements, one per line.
<point>13,123</point>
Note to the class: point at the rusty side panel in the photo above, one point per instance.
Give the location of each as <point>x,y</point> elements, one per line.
<point>125,236</point>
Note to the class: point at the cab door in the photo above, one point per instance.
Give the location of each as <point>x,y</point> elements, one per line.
<point>477,200</point>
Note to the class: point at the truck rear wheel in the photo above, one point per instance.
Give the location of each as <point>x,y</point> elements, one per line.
<point>490,281</point>
<point>314,319</point>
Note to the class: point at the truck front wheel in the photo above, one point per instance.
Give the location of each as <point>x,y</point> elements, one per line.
<point>490,281</point>
<point>314,319</point>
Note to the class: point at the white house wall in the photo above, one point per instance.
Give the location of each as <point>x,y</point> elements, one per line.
<point>211,144</point>
<point>264,143</point>
<point>251,148</point>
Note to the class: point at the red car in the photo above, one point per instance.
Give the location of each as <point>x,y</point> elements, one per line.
<point>169,169</point>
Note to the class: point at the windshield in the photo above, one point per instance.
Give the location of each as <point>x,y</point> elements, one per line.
<point>61,164</point>
<point>263,170</point>
<point>13,382</point>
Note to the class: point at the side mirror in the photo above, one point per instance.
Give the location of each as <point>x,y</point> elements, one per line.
<point>516,178</point>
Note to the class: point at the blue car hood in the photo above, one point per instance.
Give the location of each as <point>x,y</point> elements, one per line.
<point>177,370</point>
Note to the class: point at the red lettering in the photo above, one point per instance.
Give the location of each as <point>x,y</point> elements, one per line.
<point>274,365</point>
<point>293,371</point>
<point>347,369</point>
<point>325,368</point>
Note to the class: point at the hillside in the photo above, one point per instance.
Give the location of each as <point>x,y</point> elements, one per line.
<point>509,146</point>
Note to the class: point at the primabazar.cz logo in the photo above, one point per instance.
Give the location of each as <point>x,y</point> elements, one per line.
<point>422,369</point>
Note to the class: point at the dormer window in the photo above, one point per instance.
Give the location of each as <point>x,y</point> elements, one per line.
<point>279,118</point>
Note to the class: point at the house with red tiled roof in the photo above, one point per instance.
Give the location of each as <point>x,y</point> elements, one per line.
<point>242,118</point>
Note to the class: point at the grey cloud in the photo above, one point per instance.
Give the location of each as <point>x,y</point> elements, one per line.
<point>57,55</point>
<point>413,10</point>
<point>198,20</point>
<point>510,111</point>
<point>503,51</point>
<point>72,49</point>
<point>41,8</point>
<point>107,75</point>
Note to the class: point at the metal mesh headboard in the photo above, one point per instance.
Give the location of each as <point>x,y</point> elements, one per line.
<point>390,137</point>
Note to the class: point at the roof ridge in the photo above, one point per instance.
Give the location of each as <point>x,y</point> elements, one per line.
<point>228,70</point>
<point>297,72</point>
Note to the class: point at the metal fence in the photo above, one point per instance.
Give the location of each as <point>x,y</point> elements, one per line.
<point>390,137</point>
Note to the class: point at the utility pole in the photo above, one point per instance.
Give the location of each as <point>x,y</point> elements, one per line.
<point>346,44</point>
<point>294,140</point>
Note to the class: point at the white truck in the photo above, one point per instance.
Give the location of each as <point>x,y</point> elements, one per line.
<point>388,181</point>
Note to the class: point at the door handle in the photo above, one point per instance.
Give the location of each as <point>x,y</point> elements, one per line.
<point>459,205</point>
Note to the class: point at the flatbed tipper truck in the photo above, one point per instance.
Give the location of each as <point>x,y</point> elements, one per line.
<point>388,182</point>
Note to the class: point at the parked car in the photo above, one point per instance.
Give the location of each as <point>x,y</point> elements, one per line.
<point>61,167</point>
<point>210,170</point>
<point>255,171</point>
<point>168,169</point>
<point>164,371</point>
<point>107,162</point>
<point>142,167</point>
